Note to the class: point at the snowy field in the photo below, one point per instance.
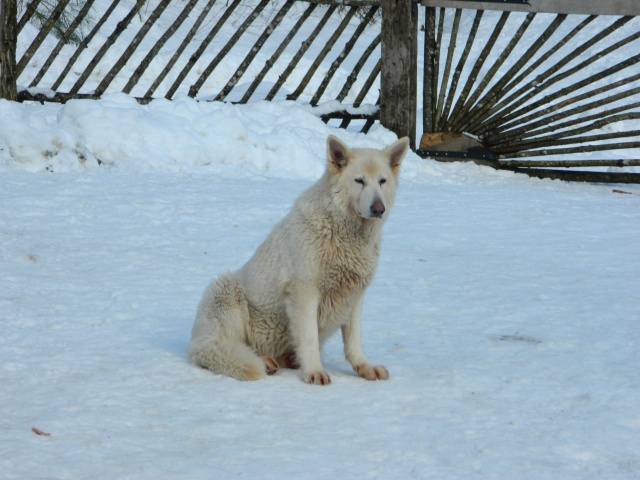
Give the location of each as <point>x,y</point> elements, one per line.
<point>507,309</point>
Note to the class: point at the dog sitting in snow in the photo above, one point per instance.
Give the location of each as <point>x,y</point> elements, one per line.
<point>308,278</point>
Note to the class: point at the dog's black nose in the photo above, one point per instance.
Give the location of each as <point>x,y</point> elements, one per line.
<point>377,209</point>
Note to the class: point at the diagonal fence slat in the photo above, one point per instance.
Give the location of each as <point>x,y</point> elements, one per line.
<point>343,55</point>
<point>195,88</point>
<point>299,54</point>
<point>137,74</point>
<point>63,39</point>
<point>323,53</point>
<point>183,45</point>
<point>45,29</point>
<point>439,113</point>
<point>360,98</point>
<point>366,87</point>
<point>120,28</point>
<point>28,14</point>
<point>131,48</point>
<point>201,49</point>
<point>352,77</point>
<point>276,55</point>
<point>254,50</point>
<point>83,45</point>
<point>458,70</point>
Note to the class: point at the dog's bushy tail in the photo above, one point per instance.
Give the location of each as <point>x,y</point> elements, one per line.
<point>218,339</point>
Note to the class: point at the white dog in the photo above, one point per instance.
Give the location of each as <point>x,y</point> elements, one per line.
<point>308,278</point>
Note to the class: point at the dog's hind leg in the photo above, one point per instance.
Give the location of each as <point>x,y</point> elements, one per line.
<point>288,360</point>
<point>270,365</point>
<point>218,338</point>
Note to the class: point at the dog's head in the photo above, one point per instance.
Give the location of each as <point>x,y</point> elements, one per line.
<point>367,177</point>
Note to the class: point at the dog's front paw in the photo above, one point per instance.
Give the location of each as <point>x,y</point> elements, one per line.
<point>317,378</point>
<point>371,373</point>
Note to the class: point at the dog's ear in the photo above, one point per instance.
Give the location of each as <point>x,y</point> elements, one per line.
<point>338,153</point>
<point>397,152</point>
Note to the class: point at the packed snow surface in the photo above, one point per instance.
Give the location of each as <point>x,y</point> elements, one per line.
<point>506,309</point>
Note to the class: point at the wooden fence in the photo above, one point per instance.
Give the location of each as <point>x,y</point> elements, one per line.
<point>199,49</point>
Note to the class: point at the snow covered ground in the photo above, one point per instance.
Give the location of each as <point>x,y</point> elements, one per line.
<point>507,309</point>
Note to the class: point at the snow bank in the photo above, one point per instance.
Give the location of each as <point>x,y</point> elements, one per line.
<point>182,136</point>
<point>272,139</point>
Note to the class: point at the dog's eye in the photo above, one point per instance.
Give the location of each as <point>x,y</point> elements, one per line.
<point>383,181</point>
<point>360,181</point>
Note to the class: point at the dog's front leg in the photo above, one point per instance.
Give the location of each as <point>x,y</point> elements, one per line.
<point>302,302</point>
<point>352,337</point>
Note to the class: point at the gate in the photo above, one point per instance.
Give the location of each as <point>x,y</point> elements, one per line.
<point>559,90</point>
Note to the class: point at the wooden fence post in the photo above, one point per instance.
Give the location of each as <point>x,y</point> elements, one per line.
<point>398,95</point>
<point>430,75</point>
<point>8,42</point>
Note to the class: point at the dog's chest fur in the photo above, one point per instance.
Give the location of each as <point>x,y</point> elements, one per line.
<point>347,260</point>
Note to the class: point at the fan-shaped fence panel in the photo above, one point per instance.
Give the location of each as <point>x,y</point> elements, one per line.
<point>540,90</point>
